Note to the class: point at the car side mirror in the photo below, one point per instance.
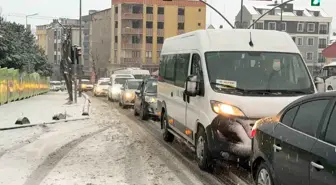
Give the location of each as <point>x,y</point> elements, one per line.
<point>191,85</point>
<point>137,92</point>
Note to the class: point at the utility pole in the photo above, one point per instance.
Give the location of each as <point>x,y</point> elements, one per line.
<point>29,16</point>
<point>241,13</point>
<point>80,45</point>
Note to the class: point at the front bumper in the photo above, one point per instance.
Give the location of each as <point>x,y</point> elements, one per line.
<point>230,137</point>
<point>152,108</point>
<point>101,93</point>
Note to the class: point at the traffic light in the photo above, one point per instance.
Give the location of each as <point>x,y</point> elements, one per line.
<point>315,2</point>
<point>78,54</point>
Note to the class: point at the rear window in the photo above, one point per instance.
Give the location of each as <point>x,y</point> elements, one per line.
<point>103,83</point>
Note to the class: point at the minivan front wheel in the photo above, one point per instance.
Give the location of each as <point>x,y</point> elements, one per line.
<point>167,136</point>
<point>264,176</point>
<point>203,155</point>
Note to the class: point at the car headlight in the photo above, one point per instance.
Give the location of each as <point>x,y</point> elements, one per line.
<point>226,109</point>
<point>150,99</point>
<point>128,95</point>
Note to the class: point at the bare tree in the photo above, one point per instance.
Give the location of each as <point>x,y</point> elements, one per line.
<point>66,63</point>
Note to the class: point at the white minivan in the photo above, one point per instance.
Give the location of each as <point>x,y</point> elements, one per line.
<point>214,84</point>
<point>116,82</point>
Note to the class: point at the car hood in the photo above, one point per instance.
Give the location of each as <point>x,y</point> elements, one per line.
<point>103,86</point>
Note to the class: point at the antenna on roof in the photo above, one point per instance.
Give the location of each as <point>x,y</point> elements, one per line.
<point>268,12</point>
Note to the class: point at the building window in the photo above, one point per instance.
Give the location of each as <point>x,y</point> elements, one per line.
<point>283,26</point>
<point>322,43</point>
<point>310,41</point>
<point>311,27</point>
<point>149,10</point>
<point>160,40</point>
<point>199,10</point>
<point>136,24</point>
<point>323,29</point>
<point>116,10</point>
<point>199,24</point>
<point>160,25</point>
<point>294,39</point>
<point>299,13</point>
<point>116,24</point>
<point>259,26</point>
<point>115,39</point>
<point>55,58</point>
<point>148,54</point>
<point>136,54</point>
<point>160,10</point>
<point>149,24</point>
<point>149,40</point>
<point>300,27</point>
<point>55,46</point>
<point>321,58</point>
<point>137,9</point>
<point>309,56</point>
<point>180,26</point>
<point>181,11</point>
<point>299,41</point>
<point>271,26</point>
<point>135,39</point>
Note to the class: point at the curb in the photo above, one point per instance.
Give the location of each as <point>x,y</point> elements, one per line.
<point>46,123</point>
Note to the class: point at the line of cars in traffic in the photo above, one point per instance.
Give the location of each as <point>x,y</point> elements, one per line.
<point>242,98</point>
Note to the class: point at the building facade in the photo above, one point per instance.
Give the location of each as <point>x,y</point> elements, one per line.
<point>41,37</point>
<point>139,28</point>
<point>100,42</point>
<point>309,28</point>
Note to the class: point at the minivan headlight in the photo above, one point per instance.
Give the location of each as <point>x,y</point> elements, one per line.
<point>226,109</point>
<point>150,99</point>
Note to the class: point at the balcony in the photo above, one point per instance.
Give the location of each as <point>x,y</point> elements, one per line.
<point>160,33</point>
<point>131,31</point>
<point>322,46</point>
<point>149,32</point>
<point>131,46</point>
<point>160,18</point>
<point>321,60</point>
<point>131,60</point>
<point>131,16</point>
<point>149,47</point>
<point>149,60</point>
<point>323,31</point>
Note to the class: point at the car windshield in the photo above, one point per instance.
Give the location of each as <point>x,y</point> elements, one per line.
<point>55,83</point>
<point>133,84</point>
<point>103,83</point>
<point>258,72</point>
<point>151,87</point>
<point>86,82</point>
<point>121,80</point>
<point>140,76</point>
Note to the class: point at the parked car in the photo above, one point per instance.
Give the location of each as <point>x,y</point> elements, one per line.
<point>127,94</point>
<point>297,146</point>
<point>101,88</point>
<point>145,99</point>
<point>56,86</point>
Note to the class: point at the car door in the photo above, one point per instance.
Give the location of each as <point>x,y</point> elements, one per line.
<point>293,143</point>
<point>323,164</point>
<point>195,104</point>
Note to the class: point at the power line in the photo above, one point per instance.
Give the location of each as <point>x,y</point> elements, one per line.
<point>35,17</point>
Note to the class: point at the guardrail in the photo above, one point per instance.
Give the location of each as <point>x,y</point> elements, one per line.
<point>17,86</point>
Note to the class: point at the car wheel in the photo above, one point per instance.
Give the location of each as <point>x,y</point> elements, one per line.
<point>143,113</point>
<point>264,175</point>
<point>167,136</point>
<point>330,88</point>
<point>203,155</point>
<point>135,112</point>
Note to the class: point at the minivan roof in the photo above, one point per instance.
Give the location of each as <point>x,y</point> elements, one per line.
<point>231,40</point>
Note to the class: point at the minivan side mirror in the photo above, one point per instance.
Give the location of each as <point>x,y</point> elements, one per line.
<point>191,85</point>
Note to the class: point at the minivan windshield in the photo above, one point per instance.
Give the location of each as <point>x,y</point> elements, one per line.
<point>133,84</point>
<point>258,73</point>
<point>151,87</point>
<point>121,80</point>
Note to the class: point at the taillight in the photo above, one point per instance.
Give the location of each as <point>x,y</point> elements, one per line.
<point>253,132</point>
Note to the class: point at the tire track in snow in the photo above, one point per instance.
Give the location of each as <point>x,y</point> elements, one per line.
<point>52,160</point>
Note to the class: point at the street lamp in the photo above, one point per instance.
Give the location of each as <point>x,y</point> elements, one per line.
<point>31,15</point>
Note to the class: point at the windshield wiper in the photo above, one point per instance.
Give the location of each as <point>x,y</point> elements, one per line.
<point>228,87</point>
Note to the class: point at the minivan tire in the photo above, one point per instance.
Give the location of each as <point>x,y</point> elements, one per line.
<point>203,155</point>
<point>263,168</point>
<point>167,136</point>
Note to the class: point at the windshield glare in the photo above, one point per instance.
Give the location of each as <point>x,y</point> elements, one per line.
<point>121,81</point>
<point>133,84</point>
<point>257,71</point>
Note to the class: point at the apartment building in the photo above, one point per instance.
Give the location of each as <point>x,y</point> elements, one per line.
<point>140,27</point>
<point>100,42</point>
<point>308,26</point>
<point>41,36</point>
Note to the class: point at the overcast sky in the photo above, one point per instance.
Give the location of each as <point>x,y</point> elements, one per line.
<point>15,10</point>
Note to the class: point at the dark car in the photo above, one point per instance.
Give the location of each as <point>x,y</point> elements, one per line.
<point>145,100</point>
<point>297,146</point>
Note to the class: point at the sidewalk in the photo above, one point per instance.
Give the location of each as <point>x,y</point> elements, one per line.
<point>40,109</point>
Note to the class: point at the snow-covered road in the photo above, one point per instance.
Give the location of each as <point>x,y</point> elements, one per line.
<point>109,148</point>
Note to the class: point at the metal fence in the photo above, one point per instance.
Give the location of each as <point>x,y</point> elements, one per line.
<point>17,86</point>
